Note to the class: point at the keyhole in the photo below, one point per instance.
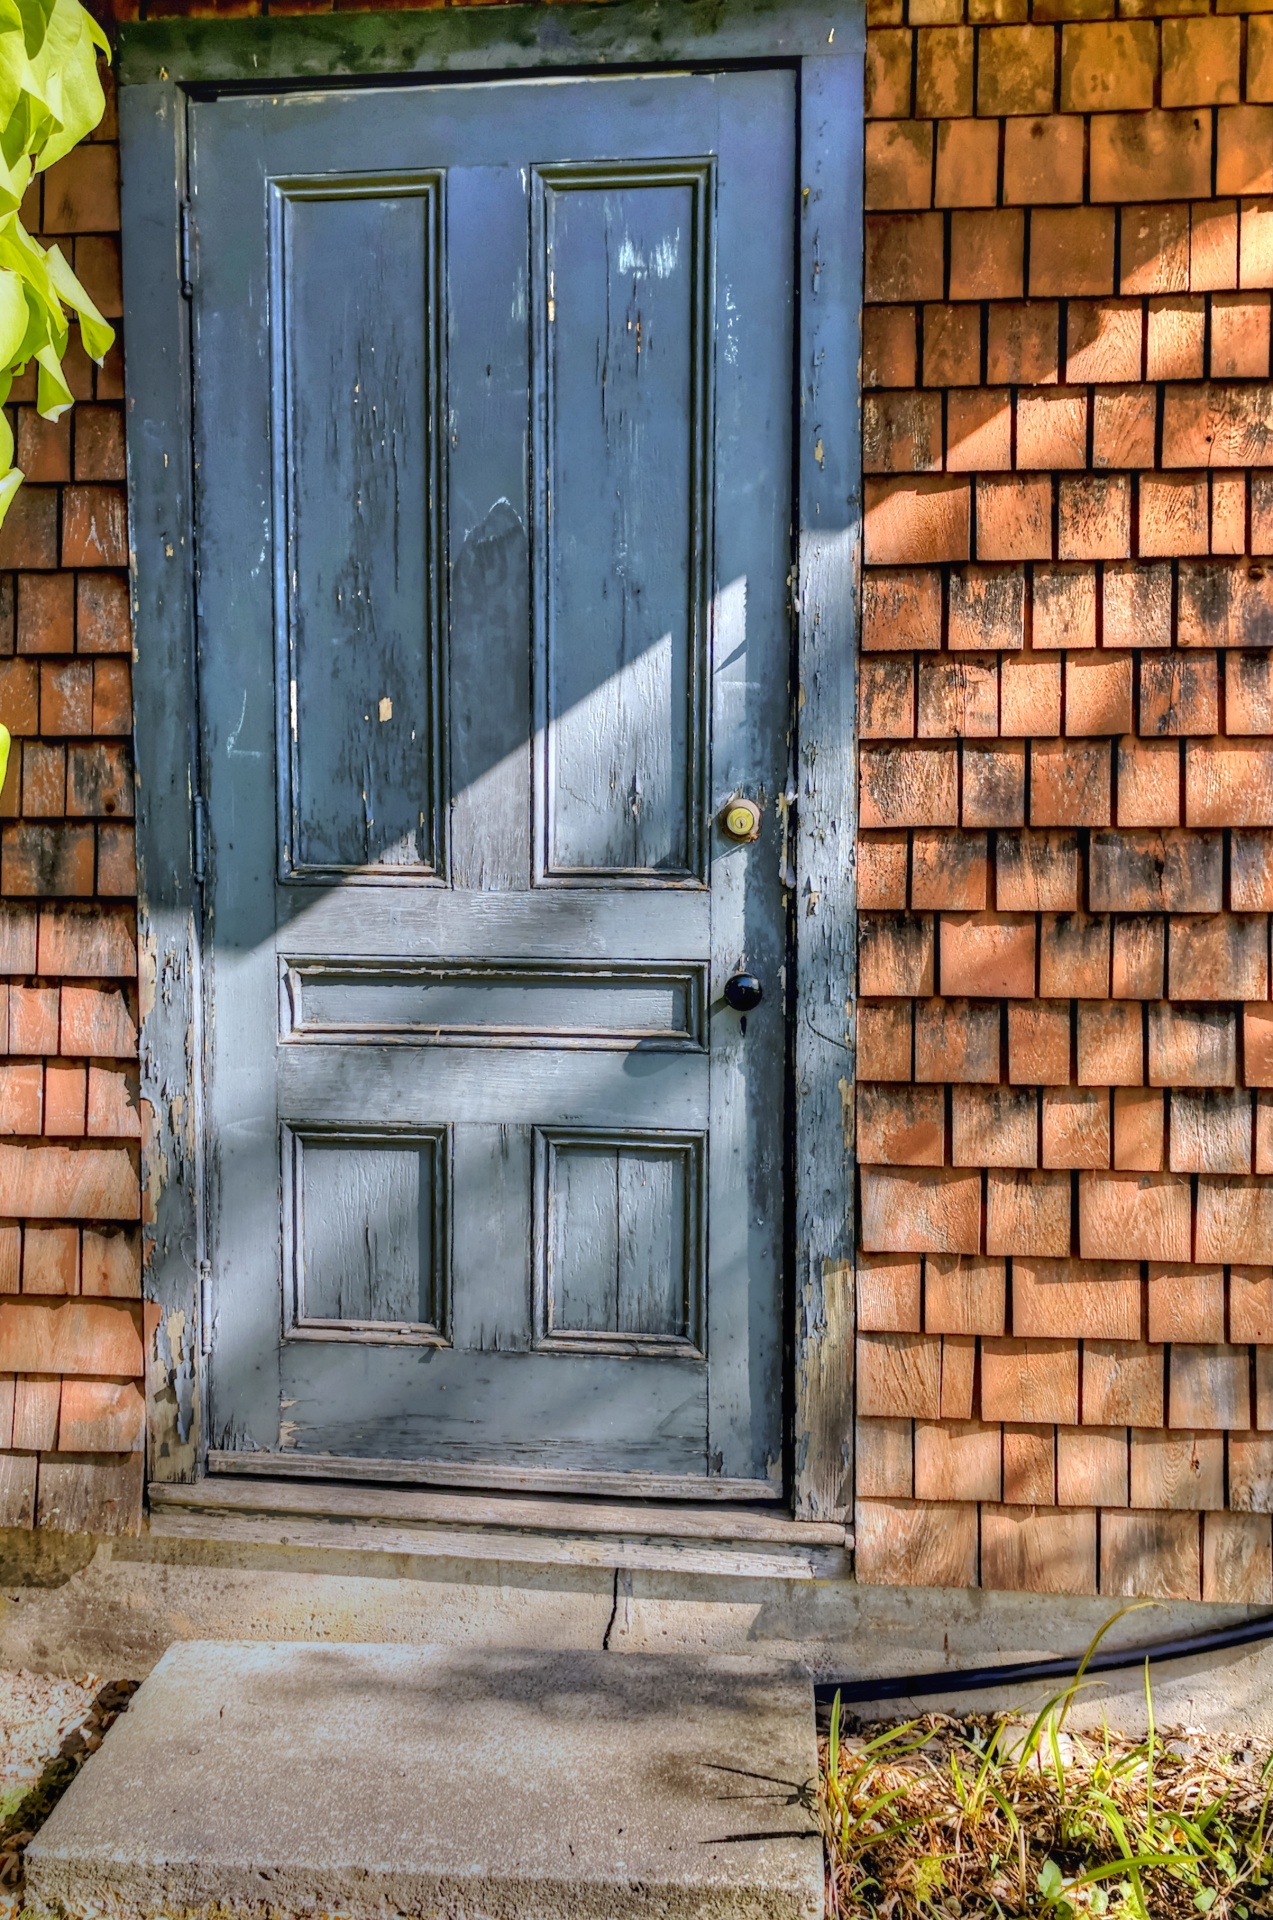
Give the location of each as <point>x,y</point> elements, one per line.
<point>742,1023</point>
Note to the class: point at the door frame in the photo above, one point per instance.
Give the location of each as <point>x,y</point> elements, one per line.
<point>160,64</point>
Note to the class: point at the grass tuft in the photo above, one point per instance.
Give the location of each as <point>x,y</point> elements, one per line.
<point>992,1817</point>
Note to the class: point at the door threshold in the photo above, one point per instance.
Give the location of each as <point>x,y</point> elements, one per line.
<point>504,1527</point>
<point>497,1478</point>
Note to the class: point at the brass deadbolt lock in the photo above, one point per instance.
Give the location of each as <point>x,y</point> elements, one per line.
<point>741,820</point>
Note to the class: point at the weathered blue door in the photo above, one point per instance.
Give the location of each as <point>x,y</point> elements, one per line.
<point>494,424</point>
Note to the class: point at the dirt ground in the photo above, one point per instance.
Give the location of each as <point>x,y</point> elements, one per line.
<point>49,1724</point>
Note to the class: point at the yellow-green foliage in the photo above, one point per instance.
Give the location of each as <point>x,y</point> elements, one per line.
<point>50,97</point>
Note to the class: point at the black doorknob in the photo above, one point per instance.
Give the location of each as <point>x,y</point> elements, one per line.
<point>743,992</point>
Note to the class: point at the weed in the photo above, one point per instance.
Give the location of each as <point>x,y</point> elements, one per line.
<point>992,1818</point>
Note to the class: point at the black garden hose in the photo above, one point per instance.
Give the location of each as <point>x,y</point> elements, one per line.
<point>914,1686</point>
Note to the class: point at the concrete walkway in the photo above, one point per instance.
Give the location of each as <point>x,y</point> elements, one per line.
<point>387,1780</point>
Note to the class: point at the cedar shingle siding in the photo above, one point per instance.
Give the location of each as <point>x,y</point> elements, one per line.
<point>1065,1100</point>
<point>71,1409</point>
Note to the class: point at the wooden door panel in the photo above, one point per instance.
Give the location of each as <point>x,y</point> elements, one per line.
<point>497,1005</point>
<point>622,295</point>
<point>408,1086</point>
<point>620,1255</point>
<point>494,542</point>
<point>368,1231</point>
<point>356,392</point>
<point>473,924</point>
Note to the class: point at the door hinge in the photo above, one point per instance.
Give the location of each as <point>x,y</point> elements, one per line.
<point>187,273</point>
<point>206,1314</point>
<point>199,839</point>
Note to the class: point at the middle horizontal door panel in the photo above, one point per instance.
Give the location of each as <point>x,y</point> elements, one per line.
<point>366,921</point>
<point>410,1086</point>
<point>504,1003</point>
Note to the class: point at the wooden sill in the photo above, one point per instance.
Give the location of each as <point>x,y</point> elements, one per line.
<point>544,1531</point>
<point>484,1478</point>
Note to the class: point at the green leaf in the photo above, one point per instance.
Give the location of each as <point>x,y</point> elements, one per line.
<point>15,178</point>
<point>53,396</point>
<point>1051,1879</point>
<point>13,315</point>
<point>35,16</point>
<point>97,333</point>
<point>9,484</point>
<point>50,98</point>
<point>1205,1899</point>
<point>68,58</point>
<point>13,62</point>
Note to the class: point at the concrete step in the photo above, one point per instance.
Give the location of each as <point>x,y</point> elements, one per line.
<point>287,1779</point>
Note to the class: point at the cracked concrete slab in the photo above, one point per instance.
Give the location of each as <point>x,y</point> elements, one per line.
<point>373,1780</point>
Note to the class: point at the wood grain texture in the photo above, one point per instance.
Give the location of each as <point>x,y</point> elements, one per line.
<point>17,1489</point>
<point>828,562</point>
<point>90,1493</point>
<point>899,1373</point>
<point>964,1293</point>
<point>1264,1388</point>
<point>957,1460</point>
<point>1123,1384</point>
<point>158,418</point>
<point>884,1459</point>
<point>958,1376</point>
<point>1250,1472</point>
<point>367,1247</point>
<point>1236,1562</point>
<point>1234,1220</point>
<point>909,1211</point>
<point>55,1336</point>
<point>1209,1386</point>
<point>35,1410</point>
<point>359,700</point>
<point>1186,1303</point>
<point>1029,1466</point>
<point>1027,1213</point>
<point>1151,1555</point>
<point>632,1483</point>
<point>1038,1550</point>
<point>1091,1466</point>
<point>1177,1470</point>
<point>516,39</point>
<point>403,1506</point>
<point>1030,1380</point>
<point>621,787</point>
<point>1059,1299</point>
<point>888,1292</point>
<point>902,1544</point>
<point>101,1416</point>
<point>471,1544</point>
